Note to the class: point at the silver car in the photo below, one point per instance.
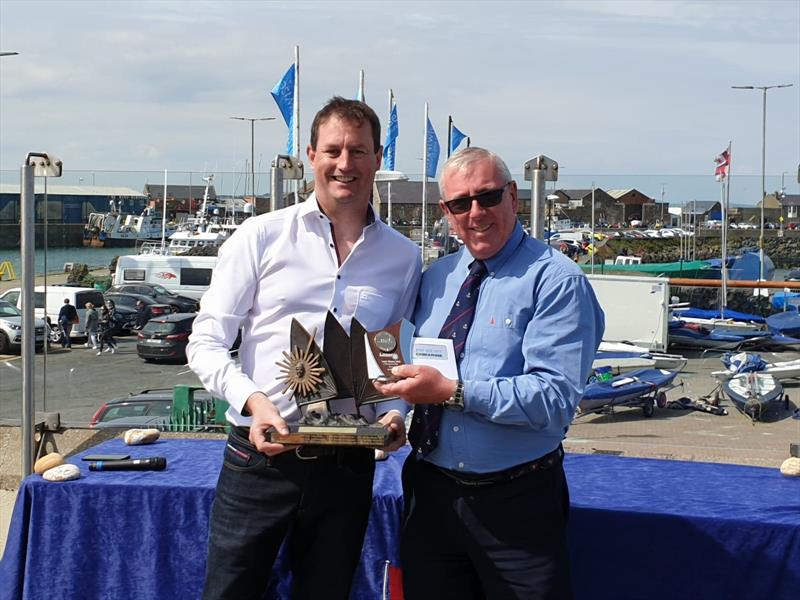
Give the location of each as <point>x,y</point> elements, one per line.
<point>11,329</point>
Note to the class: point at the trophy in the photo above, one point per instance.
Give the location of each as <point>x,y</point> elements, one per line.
<point>339,371</point>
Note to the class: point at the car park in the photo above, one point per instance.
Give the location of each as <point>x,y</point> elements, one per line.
<point>159,294</point>
<point>11,329</point>
<point>165,337</point>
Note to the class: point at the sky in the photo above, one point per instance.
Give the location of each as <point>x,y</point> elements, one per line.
<point>615,91</point>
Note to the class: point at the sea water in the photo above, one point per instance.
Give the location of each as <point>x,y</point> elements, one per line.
<point>56,258</point>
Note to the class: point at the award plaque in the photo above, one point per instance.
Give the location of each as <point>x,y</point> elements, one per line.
<point>317,377</point>
<point>387,348</point>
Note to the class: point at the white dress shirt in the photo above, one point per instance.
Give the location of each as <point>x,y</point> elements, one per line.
<point>283,265</point>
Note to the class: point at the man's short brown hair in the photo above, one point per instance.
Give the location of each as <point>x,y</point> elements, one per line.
<point>348,110</point>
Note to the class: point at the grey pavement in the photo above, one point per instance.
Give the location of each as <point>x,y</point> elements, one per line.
<point>79,381</point>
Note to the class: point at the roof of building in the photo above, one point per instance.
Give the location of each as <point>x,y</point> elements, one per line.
<point>156,191</point>
<point>106,191</point>
<point>616,193</point>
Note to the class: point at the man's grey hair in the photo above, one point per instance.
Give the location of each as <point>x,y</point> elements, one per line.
<point>466,158</point>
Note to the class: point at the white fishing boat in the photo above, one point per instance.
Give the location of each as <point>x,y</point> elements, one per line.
<point>121,230</point>
<point>207,228</point>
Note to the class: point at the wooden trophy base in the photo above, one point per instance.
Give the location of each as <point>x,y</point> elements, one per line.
<point>334,435</point>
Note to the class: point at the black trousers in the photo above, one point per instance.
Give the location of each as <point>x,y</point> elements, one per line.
<point>506,540</point>
<point>322,503</point>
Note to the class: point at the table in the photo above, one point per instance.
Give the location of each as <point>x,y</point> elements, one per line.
<point>639,528</point>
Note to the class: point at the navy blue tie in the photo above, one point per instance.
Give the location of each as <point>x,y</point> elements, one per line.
<point>424,433</point>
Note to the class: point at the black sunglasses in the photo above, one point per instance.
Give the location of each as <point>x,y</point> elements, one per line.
<point>487,199</point>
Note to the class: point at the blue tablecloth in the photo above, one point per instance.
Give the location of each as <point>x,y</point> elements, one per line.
<point>638,529</point>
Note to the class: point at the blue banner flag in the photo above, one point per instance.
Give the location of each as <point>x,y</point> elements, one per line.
<point>392,131</point>
<point>283,93</point>
<point>455,138</point>
<point>432,143</point>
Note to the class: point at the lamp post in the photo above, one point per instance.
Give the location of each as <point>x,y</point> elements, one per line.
<point>764,89</point>
<point>252,149</point>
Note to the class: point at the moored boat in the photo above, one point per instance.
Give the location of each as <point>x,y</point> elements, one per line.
<point>120,230</point>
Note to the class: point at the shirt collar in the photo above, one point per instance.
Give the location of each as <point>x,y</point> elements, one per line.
<point>494,263</point>
<point>311,207</point>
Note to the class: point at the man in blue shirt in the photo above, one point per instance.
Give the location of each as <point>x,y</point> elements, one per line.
<point>486,496</point>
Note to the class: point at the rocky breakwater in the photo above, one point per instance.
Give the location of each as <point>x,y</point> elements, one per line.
<point>784,251</point>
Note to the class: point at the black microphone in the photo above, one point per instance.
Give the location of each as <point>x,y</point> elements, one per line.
<point>156,463</point>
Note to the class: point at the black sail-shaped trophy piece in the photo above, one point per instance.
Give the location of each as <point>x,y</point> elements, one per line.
<point>319,376</point>
<point>363,390</point>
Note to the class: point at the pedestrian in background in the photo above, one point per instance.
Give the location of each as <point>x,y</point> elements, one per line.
<point>92,323</point>
<point>108,321</point>
<point>67,317</point>
<point>141,314</point>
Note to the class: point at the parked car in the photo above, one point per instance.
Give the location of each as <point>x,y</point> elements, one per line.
<point>11,329</point>
<point>128,301</point>
<point>159,294</point>
<point>148,408</point>
<point>165,337</point>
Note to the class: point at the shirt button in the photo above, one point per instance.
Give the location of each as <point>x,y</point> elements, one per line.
<point>461,465</point>
<point>334,310</point>
<point>455,428</point>
<point>461,355</point>
<point>331,245</point>
<point>338,277</point>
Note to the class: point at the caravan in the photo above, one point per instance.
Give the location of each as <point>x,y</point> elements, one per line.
<point>184,275</point>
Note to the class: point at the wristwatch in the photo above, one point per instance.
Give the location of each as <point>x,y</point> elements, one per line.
<point>456,401</point>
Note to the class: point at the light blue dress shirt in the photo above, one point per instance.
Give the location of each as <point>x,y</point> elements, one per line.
<point>529,351</point>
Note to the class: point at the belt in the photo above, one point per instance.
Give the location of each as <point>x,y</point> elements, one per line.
<point>543,463</point>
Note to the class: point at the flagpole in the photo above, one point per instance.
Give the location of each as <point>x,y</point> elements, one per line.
<point>424,178</point>
<point>164,215</point>
<point>296,118</point>
<point>361,96</point>
<point>594,241</point>
<point>726,211</point>
<point>389,183</point>
<point>449,133</point>
<point>724,243</point>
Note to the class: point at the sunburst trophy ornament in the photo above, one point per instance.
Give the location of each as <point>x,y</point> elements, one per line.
<point>302,372</point>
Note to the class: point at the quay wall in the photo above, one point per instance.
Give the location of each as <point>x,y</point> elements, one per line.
<point>59,235</point>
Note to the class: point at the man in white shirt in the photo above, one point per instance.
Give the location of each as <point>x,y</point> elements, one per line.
<point>329,253</point>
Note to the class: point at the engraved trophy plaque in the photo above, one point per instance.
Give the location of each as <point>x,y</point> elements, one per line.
<point>316,377</point>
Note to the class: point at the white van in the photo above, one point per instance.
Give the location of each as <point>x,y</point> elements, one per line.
<point>184,275</point>
<point>48,300</point>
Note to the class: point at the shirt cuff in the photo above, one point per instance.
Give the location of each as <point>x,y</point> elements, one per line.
<point>237,392</point>
<point>401,406</point>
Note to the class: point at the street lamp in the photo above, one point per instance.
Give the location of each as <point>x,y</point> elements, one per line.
<point>252,149</point>
<point>764,88</point>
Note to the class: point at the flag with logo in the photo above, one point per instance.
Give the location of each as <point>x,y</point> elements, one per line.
<point>455,138</point>
<point>392,131</point>
<point>432,143</point>
<point>723,162</point>
<point>283,93</point>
